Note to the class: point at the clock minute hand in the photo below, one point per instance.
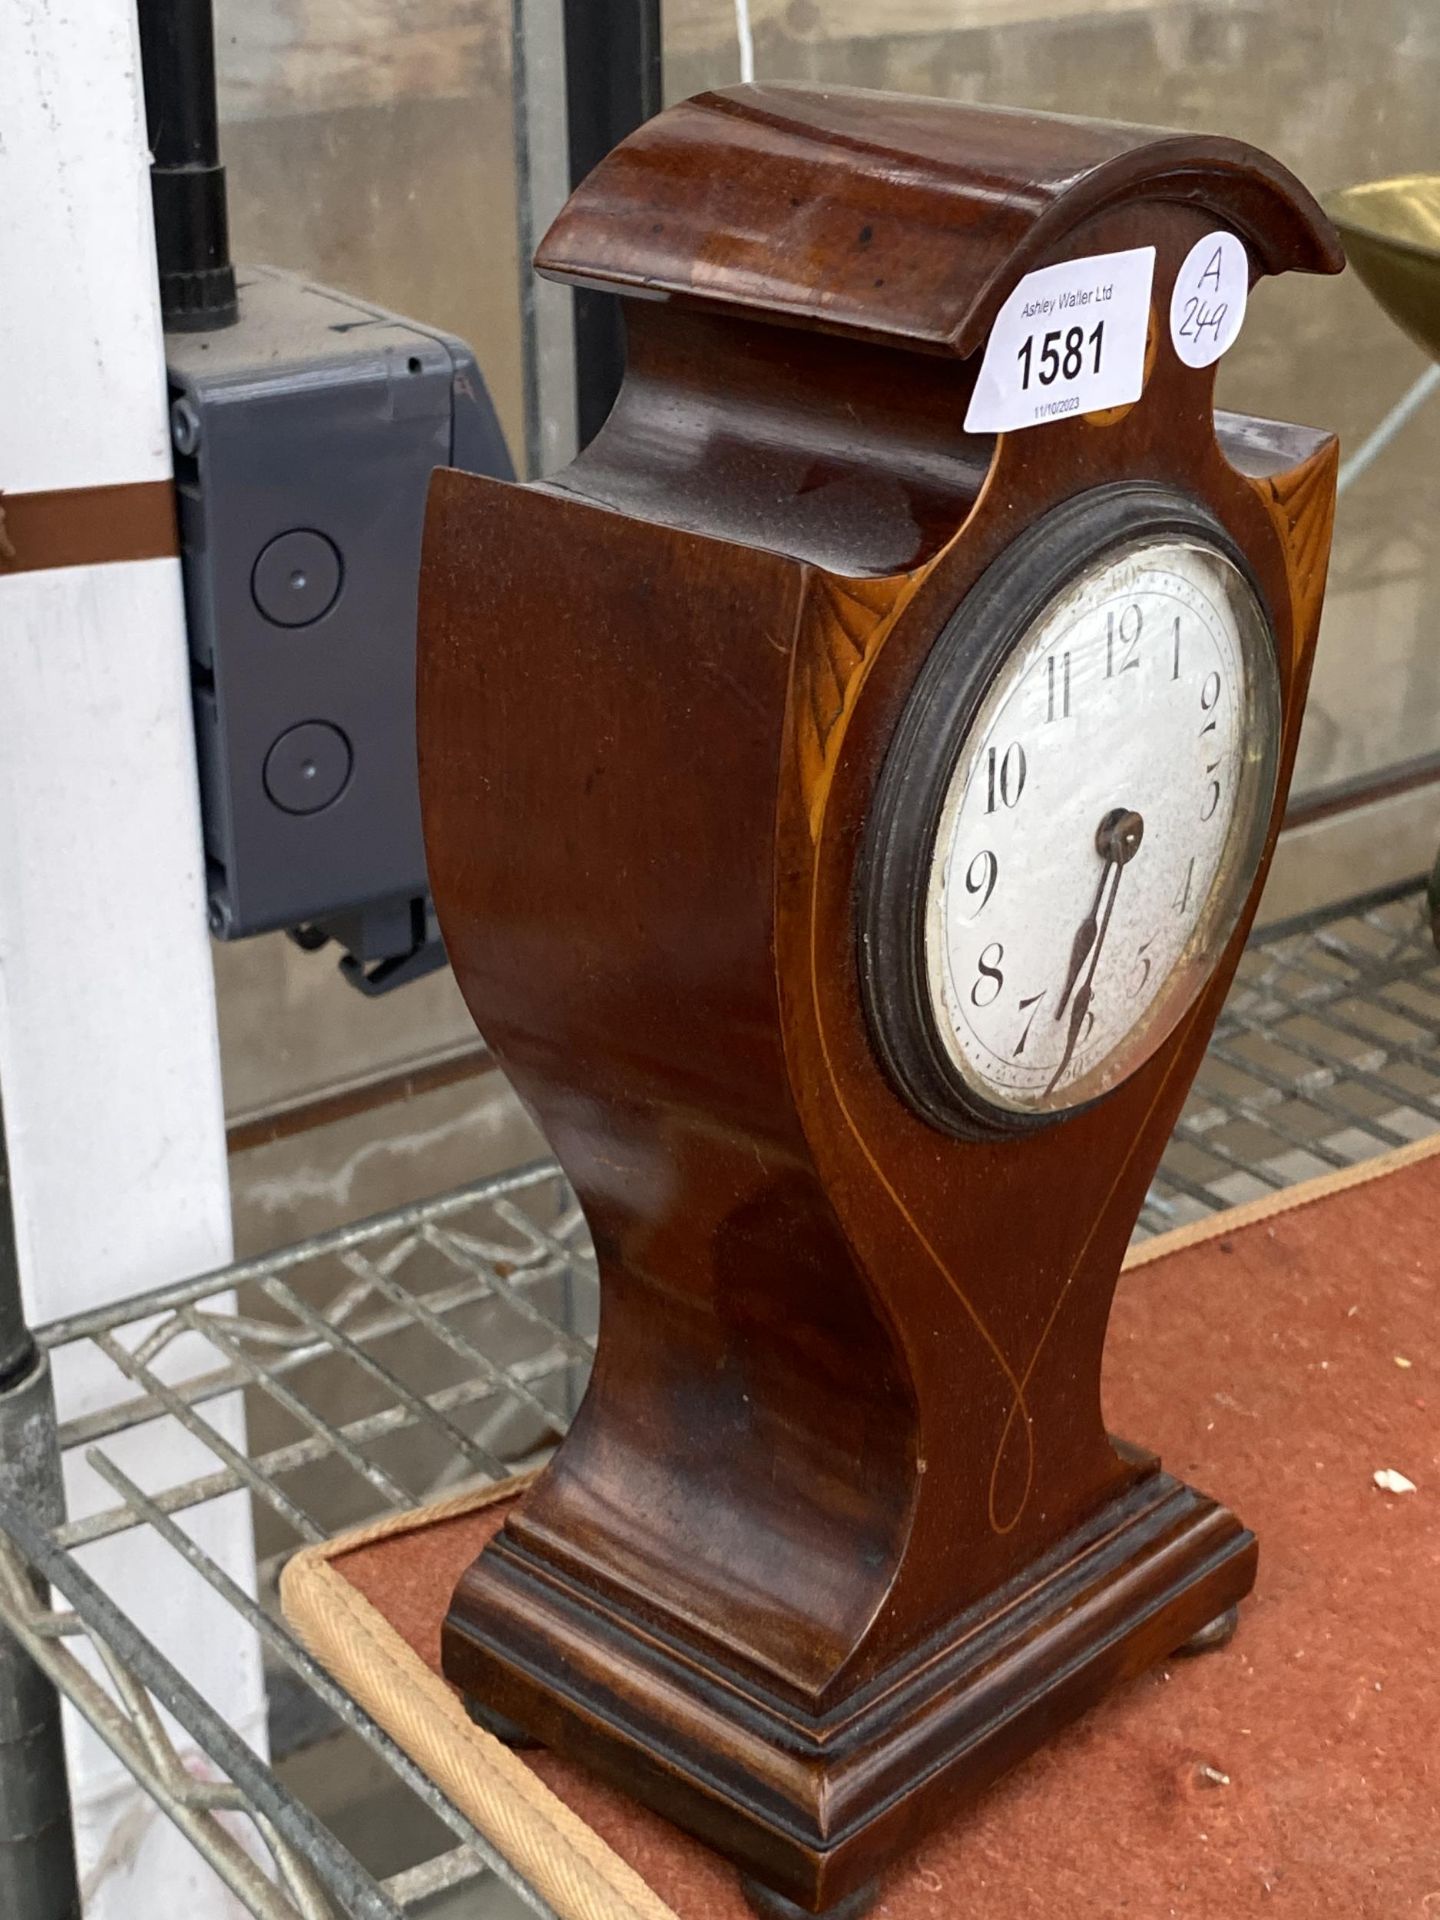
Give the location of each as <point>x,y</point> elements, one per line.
<point>1084,993</point>
<point>1117,841</point>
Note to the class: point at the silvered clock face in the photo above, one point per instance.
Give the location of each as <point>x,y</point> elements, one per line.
<point>1101,826</point>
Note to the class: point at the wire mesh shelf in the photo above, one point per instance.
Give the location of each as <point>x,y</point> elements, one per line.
<point>1325,1055</point>
<point>386,1362</point>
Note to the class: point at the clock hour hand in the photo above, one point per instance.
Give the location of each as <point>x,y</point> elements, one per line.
<point>1117,841</point>
<point>1084,939</point>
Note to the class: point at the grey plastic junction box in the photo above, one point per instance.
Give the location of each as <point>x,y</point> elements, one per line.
<point>305,437</point>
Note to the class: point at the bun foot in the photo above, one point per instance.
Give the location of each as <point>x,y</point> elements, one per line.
<point>1219,1633</point>
<point>508,1732</point>
<point>770,1905</point>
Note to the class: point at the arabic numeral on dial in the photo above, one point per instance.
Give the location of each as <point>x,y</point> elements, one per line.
<point>1032,1000</point>
<point>1142,956</point>
<point>1005,776</point>
<point>980,877</point>
<point>1209,698</point>
<point>1057,688</point>
<point>990,980</point>
<point>1181,902</point>
<point>1126,631</point>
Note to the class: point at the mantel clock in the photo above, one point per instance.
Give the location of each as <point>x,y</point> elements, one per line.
<point>848,786</point>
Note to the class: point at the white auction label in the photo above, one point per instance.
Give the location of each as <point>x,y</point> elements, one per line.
<point>1208,303</point>
<point>1070,339</point>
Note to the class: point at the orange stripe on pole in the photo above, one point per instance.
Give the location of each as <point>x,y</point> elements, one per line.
<point>87,526</point>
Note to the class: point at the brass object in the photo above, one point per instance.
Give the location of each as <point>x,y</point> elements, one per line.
<point>1391,230</point>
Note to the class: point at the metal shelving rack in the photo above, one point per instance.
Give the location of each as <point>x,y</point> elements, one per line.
<point>372,1353</point>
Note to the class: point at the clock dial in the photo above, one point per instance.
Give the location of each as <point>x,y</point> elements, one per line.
<point>1101,825</point>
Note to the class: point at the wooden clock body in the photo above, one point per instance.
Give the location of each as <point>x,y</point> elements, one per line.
<point>839,1533</point>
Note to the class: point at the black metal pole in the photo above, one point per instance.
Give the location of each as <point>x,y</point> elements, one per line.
<point>613,85</point>
<point>17,1348</point>
<point>187,181</point>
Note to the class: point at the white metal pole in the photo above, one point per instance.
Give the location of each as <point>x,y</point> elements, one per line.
<point>108,1053</point>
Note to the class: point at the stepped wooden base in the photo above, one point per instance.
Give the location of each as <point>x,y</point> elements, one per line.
<point>768,1905</point>
<point>816,1807</point>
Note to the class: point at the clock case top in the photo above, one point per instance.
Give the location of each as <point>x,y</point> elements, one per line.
<point>838,1531</point>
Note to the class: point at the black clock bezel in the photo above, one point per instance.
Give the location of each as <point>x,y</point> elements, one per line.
<point>904,818</point>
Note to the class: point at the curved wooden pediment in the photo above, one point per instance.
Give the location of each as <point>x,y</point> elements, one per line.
<point>889,218</point>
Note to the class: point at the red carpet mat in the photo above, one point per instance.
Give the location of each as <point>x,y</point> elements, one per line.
<point>1279,1359</point>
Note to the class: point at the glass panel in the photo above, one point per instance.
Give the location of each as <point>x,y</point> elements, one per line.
<point>1339,91</point>
<point>368,145</point>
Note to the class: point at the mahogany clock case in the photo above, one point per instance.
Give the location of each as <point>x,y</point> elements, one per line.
<point>838,1533</point>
